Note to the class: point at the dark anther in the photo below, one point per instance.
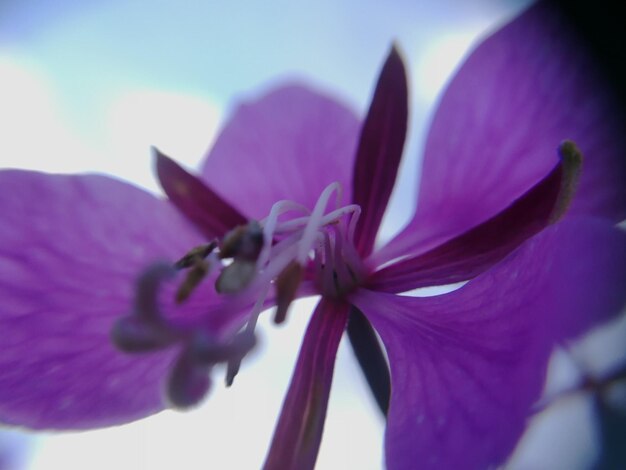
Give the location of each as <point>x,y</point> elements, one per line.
<point>287,285</point>
<point>235,277</point>
<point>243,242</point>
<point>194,276</point>
<point>195,254</point>
<point>199,268</point>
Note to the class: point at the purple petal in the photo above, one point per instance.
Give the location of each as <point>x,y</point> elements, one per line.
<point>380,149</point>
<point>213,216</point>
<point>471,253</point>
<point>521,92</point>
<point>289,144</point>
<point>467,366</point>
<point>299,430</point>
<point>71,248</point>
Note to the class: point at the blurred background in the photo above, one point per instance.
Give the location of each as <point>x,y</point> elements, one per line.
<point>89,86</point>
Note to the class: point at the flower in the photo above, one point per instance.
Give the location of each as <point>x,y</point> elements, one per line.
<point>496,208</point>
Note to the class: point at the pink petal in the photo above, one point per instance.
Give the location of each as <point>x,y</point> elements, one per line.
<point>518,95</point>
<point>467,366</point>
<point>71,248</point>
<point>213,216</point>
<point>380,149</point>
<point>289,144</point>
<point>471,253</point>
<point>299,430</point>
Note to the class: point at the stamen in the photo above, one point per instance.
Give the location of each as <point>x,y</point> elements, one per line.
<point>195,275</point>
<point>243,242</point>
<point>194,259</point>
<point>233,365</point>
<point>330,218</point>
<point>195,254</point>
<point>257,259</point>
<point>313,224</point>
<point>270,223</point>
<point>235,277</point>
<point>287,285</point>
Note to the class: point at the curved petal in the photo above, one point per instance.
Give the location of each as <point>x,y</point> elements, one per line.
<point>298,433</point>
<point>517,96</point>
<point>289,144</point>
<point>467,366</point>
<point>213,216</point>
<point>71,248</point>
<point>476,250</point>
<point>380,149</point>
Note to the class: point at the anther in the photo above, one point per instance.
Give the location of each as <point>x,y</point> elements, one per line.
<point>235,277</point>
<point>287,285</point>
<point>243,242</point>
<point>194,276</point>
<point>195,254</point>
<point>199,268</point>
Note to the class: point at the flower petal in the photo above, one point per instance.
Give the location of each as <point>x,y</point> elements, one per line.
<point>526,88</point>
<point>371,357</point>
<point>299,430</point>
<point>71,248</point>
<point>467,366</point>
<point>471,253</point>
<point>380,149</point>
<point>289,144</point>
<point>213,216</point>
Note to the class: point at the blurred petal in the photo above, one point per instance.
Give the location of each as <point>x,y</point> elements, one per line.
<point>467,366</point>
<point>201,205</point>
<point>71,248</point>
<point>471,253</point>
<point>289,144</point>
<point>526,88</point>
<point>380,149</point>
<point>299,430</point>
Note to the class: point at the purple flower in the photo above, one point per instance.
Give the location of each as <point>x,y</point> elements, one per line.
<point>497,207</point>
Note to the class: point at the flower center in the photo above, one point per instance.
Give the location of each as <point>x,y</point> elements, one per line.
<point>293,244</point>
<point>292,248</point>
